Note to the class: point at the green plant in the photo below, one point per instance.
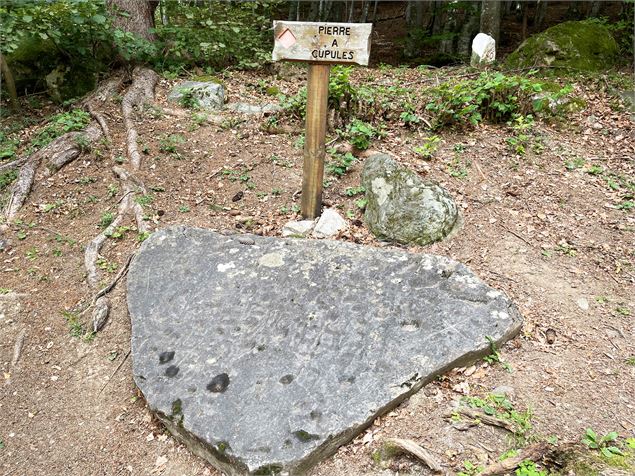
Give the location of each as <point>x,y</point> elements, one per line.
<point>574,163</point>
<point>521,125</point>
<point>429,147</point>
<point>528,468</point>
<point>170,143</point>
<point>409,118</point>
<point>58,125</point>
<point>75,326</point>
<point>339,163</point>
<point>501,407</point>
<point>458,168</point>
<point>119,232</point>
<point>494,97</point>
<point>184,209</point>
<point>352,191</point>
<point>144,200</point>
<point>188,99</point>
<point>495,356</point>
<point>470,469</point>
<point>32,254</point>
<point>106,219</point>
<point>106,265</point>
<point>604,444</point>
<point>360,134</point>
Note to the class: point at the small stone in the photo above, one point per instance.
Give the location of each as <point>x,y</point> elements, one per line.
<point>298,229</point>
<point>329,224</point>
<point>504,390</point>
<point>203,94</point>
<point>582,304</point>
<point>483,50</point>
<point>245,108</point>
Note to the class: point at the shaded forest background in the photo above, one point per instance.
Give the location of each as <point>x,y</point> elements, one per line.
<point>66,46</point>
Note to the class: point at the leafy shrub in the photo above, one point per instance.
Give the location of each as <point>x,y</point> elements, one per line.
<point>360,134</point>
<point>494,97</point>
<point>216,34</point>
<point>342,95</point>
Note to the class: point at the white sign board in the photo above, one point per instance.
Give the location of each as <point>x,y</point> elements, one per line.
<point>322,42</point>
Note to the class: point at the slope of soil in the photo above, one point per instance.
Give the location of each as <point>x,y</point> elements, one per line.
<point>552,229</point>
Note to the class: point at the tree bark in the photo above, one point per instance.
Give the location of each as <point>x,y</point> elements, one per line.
<point>9,82</point>
<point>491,19</point>
<point>134,16</point>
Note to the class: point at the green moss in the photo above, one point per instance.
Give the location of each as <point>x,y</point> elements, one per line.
<point>273,90</point>
<point>584,45</point>
<point>209,78</point>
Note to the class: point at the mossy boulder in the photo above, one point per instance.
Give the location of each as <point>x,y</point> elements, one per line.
<point>37,65</point>
<point>579,45</point>
<point>404,208</point>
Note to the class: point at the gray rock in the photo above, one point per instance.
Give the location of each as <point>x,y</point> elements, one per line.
<point>268,357</point>
<point>298,229</point>
<point>402,207</point>
<point>329,224</point>
<point>504,390</point>
<point>245,108</point>
<point>206,94</point>
<point>483,50</point>
<point>629,100</point>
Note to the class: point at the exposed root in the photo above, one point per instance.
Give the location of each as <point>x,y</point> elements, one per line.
<point>140,91</point>
<point>100,313</point>
<point>61,151</point>
<point>101,120</point>
<point>534,452</point>
<point>13,165</point>
<point>22,186</point>
<point>416,450</point>
<point>144,81</point>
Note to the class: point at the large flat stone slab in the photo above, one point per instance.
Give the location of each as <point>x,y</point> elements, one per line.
<point>266,354</point>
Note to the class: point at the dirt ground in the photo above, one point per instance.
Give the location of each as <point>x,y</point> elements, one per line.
<point>547,228</point>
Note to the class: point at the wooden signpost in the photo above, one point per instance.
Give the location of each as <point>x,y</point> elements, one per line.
<point>319,44</point>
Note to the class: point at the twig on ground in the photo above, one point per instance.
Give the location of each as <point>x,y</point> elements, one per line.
<point>105,290</point>
<point>533,452</point>
<point>521,238</point>
<point>17,348</point>
<point>416,450</point>
<point>485,418</point>
<point>113,374</point>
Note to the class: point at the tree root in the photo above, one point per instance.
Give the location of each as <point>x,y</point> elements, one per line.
<point>140,92</point>
<point>533,452</point>
<point>144,81</point>
<point>60,152</point>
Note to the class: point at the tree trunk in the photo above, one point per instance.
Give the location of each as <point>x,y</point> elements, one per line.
<point>133,16</point>
<point>468,32</point>
<point>491,19</point>
<point>541,12</point>
<point>9,82</point>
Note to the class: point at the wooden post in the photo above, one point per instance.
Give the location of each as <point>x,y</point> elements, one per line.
<point>319,44</point>
<point>316,111</point>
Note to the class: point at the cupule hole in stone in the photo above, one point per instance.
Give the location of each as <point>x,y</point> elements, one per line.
<point>165,357</point>
<point>286,379</point>
<point>410,326</point>
<point>171,371</point>
<point>219,383</point>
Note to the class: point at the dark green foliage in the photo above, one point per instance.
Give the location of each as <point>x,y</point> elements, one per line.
<point>493,97</point>
<point>216,34</point>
